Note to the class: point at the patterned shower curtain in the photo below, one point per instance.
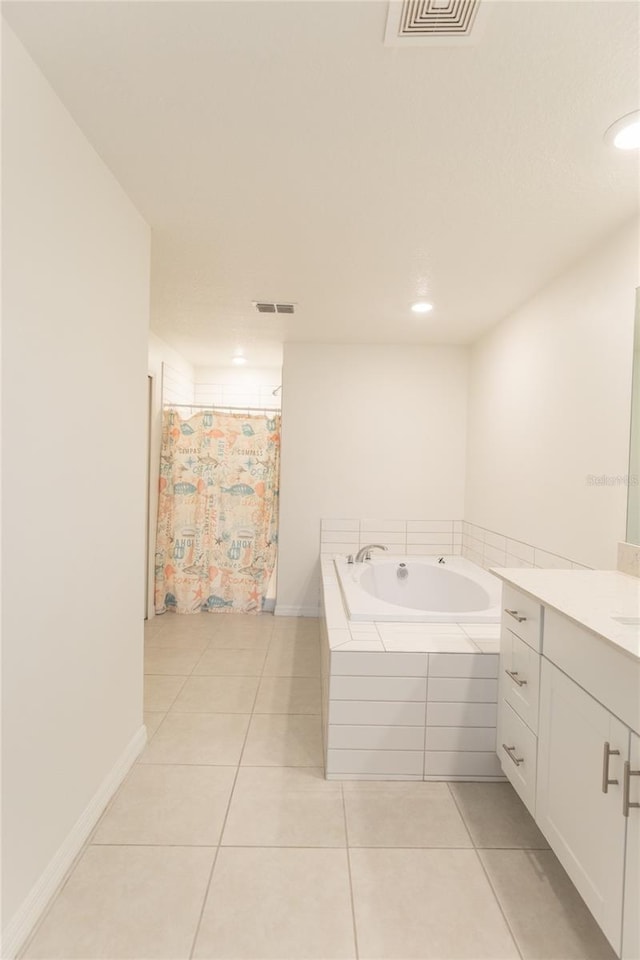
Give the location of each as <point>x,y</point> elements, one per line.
<point>217,512</point>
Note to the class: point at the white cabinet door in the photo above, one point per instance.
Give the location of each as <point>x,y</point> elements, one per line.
<point>582,823</point>
<point>631,927</point>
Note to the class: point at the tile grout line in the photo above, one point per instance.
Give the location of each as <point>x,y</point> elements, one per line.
<point>498,901</point>
<point>229,802</point>
<point>348,852</point>
<point>461,815</point>
<point>476,850</point>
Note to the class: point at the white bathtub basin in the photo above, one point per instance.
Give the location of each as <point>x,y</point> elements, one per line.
<point>419,590</point>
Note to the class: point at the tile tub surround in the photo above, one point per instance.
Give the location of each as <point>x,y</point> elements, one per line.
<point>427,538</point>
<point>487,548</point>
<point>412,537</point>
<point>406,701</point>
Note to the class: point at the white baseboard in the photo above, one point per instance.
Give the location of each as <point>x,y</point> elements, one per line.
<point>282,611</point>
<point>30,911</point>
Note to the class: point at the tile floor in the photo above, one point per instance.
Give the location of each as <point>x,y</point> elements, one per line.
<point>225,841</point>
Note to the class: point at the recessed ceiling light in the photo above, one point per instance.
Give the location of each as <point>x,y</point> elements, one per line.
<point>422,307</point>
<point>625,132</point>
<point>239,360</point>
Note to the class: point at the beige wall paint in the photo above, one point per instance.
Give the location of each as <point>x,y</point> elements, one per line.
<point>75,311</point>
<point>549,406</point>
<point>367,431</point>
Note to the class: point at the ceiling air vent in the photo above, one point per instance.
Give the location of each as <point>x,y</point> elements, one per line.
<point>263,306</point>
<point>429,22</point>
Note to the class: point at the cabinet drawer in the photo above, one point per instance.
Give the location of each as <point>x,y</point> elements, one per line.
<point>520,677</point>
<point>522,615</point>
<point>519,761</point>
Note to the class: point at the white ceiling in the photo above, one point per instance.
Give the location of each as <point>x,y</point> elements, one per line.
<point>280,151</point>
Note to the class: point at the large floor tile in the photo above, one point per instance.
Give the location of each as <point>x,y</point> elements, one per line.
<point>290,657</point>
<point>426,904</point>
<point>297,628</point>
<point>202,625</point>
<point>216,695</point>
<point>240,632</point>
<point>392,816</point>
<point>240,640</point>
<point>283,740</point>
<point>277,904</point>
<point>160,692</point>
<point>230,663</point>
<point>199,738</point>
<point>496,816</point>
<point>289,695</point>
<point>172,639</point>
<point>548,917</point>
<point>127,902</point>
<point>152,721</point>
<point>152,627</point>
<point>170,805</point>
<point>170,661</point>
<point>285,807</point>
<point>246,621</point>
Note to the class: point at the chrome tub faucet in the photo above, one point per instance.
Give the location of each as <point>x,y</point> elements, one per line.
<point>364,553</point>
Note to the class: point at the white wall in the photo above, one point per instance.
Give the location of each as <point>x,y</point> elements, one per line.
<point>75,311</point>
<point>549,405</point>
<point>368,431</point>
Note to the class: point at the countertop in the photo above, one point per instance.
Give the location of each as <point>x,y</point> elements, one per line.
<point>591,598</point>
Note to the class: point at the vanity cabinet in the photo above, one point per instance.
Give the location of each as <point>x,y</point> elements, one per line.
<point>569,742</point>
<point>582,749</point>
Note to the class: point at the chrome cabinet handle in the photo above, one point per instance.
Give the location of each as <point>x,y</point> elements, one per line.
<point>608,752</point>
<point>510,754</point>
<point>626,802</point>
<point>516,616</point>
<point>514,676</point>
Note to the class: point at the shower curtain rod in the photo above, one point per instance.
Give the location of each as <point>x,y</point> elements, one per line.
<point>213,406</point>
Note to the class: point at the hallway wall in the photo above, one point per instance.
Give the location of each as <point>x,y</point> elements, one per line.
<point>75,311</point>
